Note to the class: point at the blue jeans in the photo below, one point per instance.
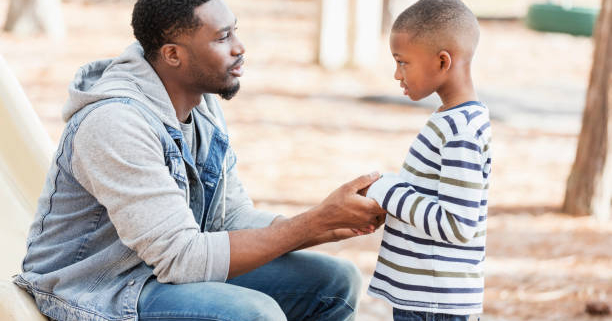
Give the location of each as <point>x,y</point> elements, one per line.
<point>296,286</point>
<point>405,315</point>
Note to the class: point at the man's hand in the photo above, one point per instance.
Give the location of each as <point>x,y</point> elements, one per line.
<point>345,208</point>
<point>332,220</point>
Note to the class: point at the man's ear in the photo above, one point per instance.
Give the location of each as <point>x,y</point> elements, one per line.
<point>169,54</point>
<point>445,60</point>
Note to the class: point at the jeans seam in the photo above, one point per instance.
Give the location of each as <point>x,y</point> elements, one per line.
<point>341,299</point>
<point>177,317</point>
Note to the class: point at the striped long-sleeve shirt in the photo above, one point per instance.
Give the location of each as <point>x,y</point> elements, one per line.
<point>433,247</point>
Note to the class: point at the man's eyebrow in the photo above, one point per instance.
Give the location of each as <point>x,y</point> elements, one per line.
<point>228,28</point>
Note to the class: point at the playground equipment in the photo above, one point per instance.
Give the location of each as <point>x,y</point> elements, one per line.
<point>25,156</point>
<point>565,18</point>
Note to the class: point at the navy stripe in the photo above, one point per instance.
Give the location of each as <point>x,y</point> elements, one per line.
<point>424,304</point>
<point>483,203</point>
<point>464,144</point>
<point>425,191</point>
<point>428,144</point>
<point>460,164</point>
<point>451,123</point>
<point>390,194</point>
<point>489,160</point>
<point>438,218</point>
<point>458,201</point>
<point>426,256</point>
<point>465,221</point>
<point>467,103</point>
<point>482,218</point>
<point>421,288</point>
<point>482,128</point>
<point>469,117</point>
<point>421,241</point>
<point>424,160</point>
<point>426,219</point>
<point>485,175</point>
<point>400,204</point>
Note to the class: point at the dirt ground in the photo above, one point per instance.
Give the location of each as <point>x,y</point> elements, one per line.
<point>300,131</point>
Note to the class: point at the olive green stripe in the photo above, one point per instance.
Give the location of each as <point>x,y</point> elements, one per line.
<point>419,174</point>
<point>486,186</point>
<point>486,148</point>
<point>453,224</point>
<point>437,131</point>
<point>433,273</point>
<point>460,183</point>
<point>481,233</point>
<point>413,208</point>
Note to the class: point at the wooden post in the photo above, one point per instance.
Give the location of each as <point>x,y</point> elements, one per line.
<point>589,186</point>
<point>350,32</point>
<point>333,33</point>
<point>366,28</point>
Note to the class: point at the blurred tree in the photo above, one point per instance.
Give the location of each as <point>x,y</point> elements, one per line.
<point>35,16</point>
<point>589,186</point>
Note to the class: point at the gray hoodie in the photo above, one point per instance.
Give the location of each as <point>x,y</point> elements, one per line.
<point>111,204</point>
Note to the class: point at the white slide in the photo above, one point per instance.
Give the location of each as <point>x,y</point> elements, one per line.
<point>25,157</point>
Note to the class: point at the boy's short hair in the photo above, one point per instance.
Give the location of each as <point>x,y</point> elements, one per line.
<point>442,24</point>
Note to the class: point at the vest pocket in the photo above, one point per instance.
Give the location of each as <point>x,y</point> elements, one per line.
<point>177,170</point>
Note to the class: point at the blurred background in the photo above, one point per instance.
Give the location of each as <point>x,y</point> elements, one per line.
<point>319,106</point>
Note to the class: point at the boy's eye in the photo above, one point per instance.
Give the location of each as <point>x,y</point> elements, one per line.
<point>400,63</point>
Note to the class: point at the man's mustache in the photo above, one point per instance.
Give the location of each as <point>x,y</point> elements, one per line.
<point>239,61</point>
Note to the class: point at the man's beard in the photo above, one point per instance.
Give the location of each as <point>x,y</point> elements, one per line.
<point>229,92</point>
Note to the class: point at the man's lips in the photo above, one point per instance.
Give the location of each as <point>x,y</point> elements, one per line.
<point>236,70</point>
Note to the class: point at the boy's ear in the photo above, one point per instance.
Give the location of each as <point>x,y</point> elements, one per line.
<point>445,60</point>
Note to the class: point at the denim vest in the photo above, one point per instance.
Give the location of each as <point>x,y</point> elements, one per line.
<point>93,276</point>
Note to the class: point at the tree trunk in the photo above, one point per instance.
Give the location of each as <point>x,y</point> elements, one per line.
<point>589,186</point>
<point>35,16</point>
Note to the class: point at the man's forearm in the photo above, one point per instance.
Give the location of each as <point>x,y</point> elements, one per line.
<point>252,248</point>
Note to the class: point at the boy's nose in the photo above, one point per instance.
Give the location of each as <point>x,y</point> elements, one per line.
<point>398,74</point>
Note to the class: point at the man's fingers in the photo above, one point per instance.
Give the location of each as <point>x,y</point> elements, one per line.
<point>363,181</point>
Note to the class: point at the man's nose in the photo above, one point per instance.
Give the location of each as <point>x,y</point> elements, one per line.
<point>238,47</point>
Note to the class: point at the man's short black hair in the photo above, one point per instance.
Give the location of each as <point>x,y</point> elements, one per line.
<point>156,22</point>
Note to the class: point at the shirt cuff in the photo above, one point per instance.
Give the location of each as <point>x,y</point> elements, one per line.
<point>219,256</point>
<point>379,189</point>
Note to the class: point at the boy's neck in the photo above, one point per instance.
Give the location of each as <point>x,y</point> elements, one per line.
<point>458,89</point>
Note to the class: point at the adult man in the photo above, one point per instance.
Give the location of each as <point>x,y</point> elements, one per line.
<point>143,217</point>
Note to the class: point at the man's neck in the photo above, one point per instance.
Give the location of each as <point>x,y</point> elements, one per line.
<point>183,100</point>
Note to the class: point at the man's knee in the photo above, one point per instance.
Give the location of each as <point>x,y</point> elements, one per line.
<point>260,307</point>
<point>345,281</point>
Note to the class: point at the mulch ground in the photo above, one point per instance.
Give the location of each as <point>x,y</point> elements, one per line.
<point>300,131</point>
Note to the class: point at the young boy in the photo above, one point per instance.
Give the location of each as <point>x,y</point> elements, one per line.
<point>430,261</point>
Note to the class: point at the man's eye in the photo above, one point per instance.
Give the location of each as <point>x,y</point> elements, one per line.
<point>224,36</point>
<point>401,63</point>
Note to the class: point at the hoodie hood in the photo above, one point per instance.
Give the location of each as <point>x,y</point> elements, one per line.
<point>127,76</point>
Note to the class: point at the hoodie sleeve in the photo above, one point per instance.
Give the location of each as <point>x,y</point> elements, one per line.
<point>118,158</point>
<point>241,214</point>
